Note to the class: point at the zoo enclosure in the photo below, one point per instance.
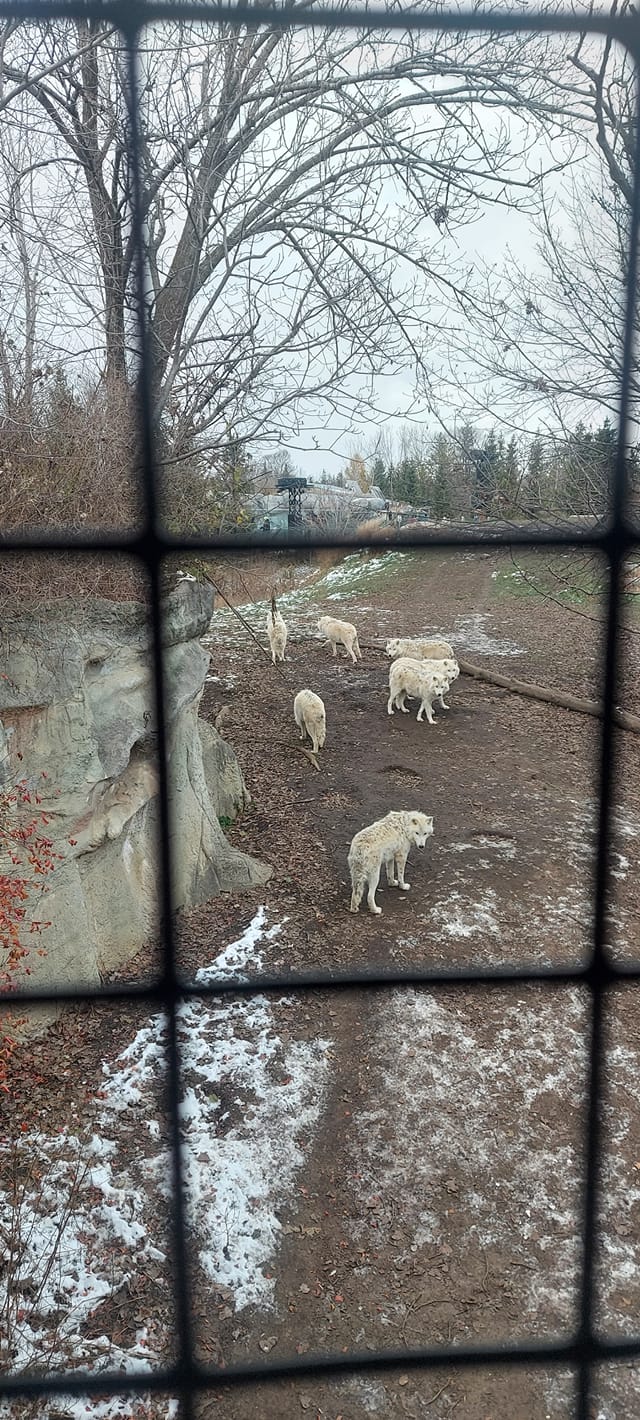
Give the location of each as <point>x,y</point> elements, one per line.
<point>585,1349</point>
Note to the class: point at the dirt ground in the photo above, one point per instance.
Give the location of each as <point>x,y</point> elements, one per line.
<point>506,878</point>
<point>439,1196</point>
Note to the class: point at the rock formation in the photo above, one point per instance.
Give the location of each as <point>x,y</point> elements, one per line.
<point>76,705</point>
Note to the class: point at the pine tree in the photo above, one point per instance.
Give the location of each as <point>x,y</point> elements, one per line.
<point>510,478</point>
<point>380,477</point>
<point>407,481</point>
<point>535,487</point>
<point>441,478</point>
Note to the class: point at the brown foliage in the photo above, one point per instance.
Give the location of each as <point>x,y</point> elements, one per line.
<point>71,464</point>
<point>68,463</point>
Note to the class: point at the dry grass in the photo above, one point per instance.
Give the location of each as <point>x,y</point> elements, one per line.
<point>380,531</point>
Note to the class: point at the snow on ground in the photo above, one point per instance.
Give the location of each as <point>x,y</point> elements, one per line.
<point>448,1081</point>
<point>471,917</point>
<point>530,908</point>
<point>357,573</point>
<point>493,1097</point>
<point>87,1224</point>
<point>449,1090</point>
<point>472,633</point>
<point>356,570</point>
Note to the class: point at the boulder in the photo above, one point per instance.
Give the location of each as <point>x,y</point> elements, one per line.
<point>77,723</point>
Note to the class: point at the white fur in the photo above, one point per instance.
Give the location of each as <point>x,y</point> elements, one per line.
<point>418,680</point>
<point>310,717</point>
<point>387,841</point>
<point>419,649</point>
<point>341,633</point>
<point>277,633</point>
<point>448,667</point>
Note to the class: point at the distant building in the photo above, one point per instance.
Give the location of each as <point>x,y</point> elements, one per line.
<point>298,501</point>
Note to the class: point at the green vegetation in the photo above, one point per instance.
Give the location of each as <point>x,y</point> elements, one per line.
<point>572,579</point>
<point>476,472</point>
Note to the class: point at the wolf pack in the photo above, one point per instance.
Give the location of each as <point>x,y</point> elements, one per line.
<point>421,670</point>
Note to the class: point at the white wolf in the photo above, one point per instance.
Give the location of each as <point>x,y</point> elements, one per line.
<point>448,668</point>
<point>277,632</point>
<point>387,841</point>
<point>419,649</point>
<point>310,717</point>
<point>341,633</point>
<point>418,680</point>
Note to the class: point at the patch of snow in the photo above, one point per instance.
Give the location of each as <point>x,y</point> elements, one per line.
<point>468,917</point>
<point>68,1249</point>
<point>367,1392</point>
<point>358,567</point>
<point>228,682</point>
<point>472,633</point>
<point>88,1226</point>
<point>445,1085</point>
<point>453,1085</point>
<point>239,954</point>
<point>302,606</point>
<point>504,847</point>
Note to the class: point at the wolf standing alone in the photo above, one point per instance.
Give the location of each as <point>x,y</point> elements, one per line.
<point>276,631</point>
<point>387,841</point>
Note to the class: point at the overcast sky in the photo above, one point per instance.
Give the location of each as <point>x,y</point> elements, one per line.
<point>69,281</point>
<point>489,240</point>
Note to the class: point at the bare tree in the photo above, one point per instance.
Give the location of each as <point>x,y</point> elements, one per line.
<point>299,193</point>
<point>549,332</point>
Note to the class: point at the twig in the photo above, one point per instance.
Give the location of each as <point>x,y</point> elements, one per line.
<point>564,606</point>
<point>438,1392</point>
<point>244,623</point>
<point>416,1305</point>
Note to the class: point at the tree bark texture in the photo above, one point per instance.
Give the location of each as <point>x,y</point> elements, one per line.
<point>623,718</point>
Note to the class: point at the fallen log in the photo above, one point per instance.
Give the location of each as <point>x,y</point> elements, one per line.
<point>623,718</point>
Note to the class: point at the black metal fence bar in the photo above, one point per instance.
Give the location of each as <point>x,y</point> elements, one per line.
<point>599,979</point>
<point>146,549</point>
<point>586,1348</point>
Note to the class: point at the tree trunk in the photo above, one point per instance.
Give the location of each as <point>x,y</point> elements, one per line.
<point>623,718</point>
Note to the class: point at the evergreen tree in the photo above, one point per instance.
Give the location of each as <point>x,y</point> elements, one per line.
<point>379,476</point>
<point>486,460</point>
<point>441,478</point>
<point>464,472</point>
<point>535,486</point>
<point>509,478</point>
<point>407,481</point>
<point>604,465</point>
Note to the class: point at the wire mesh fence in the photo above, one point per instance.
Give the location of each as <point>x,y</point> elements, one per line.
<point>612,539</point>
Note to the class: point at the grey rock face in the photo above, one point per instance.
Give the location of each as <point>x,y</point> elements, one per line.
<point>77,706</point>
